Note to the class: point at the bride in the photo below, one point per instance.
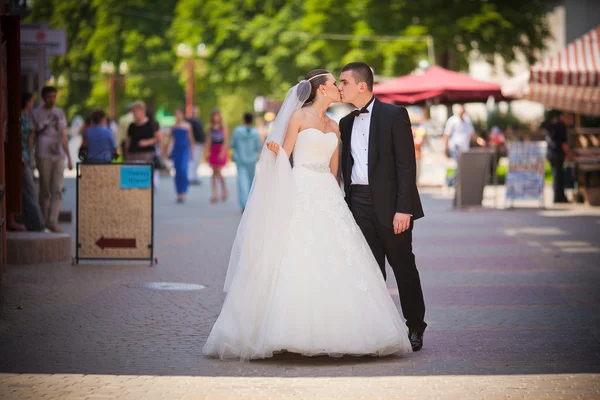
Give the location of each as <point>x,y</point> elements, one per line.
<point>301,276</point>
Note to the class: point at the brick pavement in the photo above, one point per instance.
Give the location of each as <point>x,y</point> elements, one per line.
<point>512,301</point>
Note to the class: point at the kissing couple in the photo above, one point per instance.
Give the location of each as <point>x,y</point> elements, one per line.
<point>306,267</point>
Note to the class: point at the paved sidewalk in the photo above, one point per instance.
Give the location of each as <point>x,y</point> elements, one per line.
<point>512,305</point>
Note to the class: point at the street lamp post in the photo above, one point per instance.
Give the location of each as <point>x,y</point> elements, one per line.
<point>187,52</point>
<point>114,75</point>
<point>109,69</point>
<point>189,88</point>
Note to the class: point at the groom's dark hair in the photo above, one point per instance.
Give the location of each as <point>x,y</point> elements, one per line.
<point>361,72</point>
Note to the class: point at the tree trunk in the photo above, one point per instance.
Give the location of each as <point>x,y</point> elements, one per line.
<point>447,58</point>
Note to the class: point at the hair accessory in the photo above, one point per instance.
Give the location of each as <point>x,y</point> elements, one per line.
<point>316,76</point>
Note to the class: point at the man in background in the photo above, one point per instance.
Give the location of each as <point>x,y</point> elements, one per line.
<point>51,147</point>
<point>458,133</point>
<point>246,144</point>
<point>32,214</point>
<point>198,150</point>
<point>555,131</point>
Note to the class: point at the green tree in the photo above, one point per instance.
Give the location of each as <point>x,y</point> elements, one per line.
<point>232,75</point>
<point>263,47</point>
<point>266,46</point>
<point>490,27</point>
<point>134,32</point>
<point>78,19</point>
<point>130,31</point>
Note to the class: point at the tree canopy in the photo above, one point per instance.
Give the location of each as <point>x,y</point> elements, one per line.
<point>263,47</point>
<point>117,32</point>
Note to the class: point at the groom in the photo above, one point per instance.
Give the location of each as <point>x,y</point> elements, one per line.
<point>379,172</point>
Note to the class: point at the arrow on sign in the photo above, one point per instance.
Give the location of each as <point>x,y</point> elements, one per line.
<point>115,243</point>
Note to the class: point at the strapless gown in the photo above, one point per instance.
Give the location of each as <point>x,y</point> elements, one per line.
<point>327,296</point>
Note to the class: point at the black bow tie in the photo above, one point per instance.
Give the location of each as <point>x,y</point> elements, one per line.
<point>363,110</point>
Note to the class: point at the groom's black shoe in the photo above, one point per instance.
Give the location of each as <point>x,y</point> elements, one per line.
<point>416,340</point>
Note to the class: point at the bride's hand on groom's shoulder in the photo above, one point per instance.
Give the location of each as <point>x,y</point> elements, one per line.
<point>274,147</point>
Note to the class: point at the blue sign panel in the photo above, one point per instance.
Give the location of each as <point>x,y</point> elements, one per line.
<point>136,176</point>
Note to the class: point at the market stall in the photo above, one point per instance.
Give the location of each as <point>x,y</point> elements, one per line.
<point>569,80</point>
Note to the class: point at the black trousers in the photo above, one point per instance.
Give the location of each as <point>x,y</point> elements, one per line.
<point>558,179</point>
<point>398,250</point>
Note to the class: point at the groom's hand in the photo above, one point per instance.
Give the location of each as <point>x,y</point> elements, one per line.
<point>401,222</point>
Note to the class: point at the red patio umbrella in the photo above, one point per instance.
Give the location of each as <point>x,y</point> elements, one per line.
<point>438,84</point>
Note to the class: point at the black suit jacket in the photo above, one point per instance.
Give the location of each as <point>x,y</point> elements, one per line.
<point>392,164</point>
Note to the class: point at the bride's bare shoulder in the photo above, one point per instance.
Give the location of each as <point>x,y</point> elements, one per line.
<point>296,121</point>
<point>299,113</point>
<point>299,117</point>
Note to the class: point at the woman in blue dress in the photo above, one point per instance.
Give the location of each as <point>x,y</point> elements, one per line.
<point>181,141</point>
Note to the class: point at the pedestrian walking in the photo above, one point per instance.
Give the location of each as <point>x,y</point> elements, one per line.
<point>458,133</point>
<point>246,144</point>
<point>99,139</point>
<point>143,138</point>
<point>32,214</point>
<point>51,147</point>
<point>142,135</point>
<point>181,144</point>
<point>558,149</point>
<point>217,145</point>
<point>198,149</point>
<point>419,132</point>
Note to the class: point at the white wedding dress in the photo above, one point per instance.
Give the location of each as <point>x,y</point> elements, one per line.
<point>325,294</point>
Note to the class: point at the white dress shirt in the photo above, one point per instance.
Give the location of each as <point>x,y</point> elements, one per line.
<point>359,147</point>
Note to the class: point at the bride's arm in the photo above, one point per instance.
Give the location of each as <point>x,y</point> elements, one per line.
<point>334,163</point>
<point>291,134</point>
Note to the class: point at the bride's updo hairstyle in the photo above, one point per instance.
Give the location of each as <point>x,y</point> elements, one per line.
<point>315,78</point>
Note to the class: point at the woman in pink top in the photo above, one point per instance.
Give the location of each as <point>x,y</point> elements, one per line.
<point>217,145</point>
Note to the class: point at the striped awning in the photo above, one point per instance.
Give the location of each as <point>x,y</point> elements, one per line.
<point>568,80</point>
<point>577,99</point>
<point>578,64</point>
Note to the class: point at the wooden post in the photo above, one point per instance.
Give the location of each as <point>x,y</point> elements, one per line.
<point>12,153</point>
<point>112,98</point>
<point>2,133</point>
<point>189,89</point>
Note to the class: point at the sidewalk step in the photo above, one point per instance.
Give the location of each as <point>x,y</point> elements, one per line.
<point>37,247</point>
